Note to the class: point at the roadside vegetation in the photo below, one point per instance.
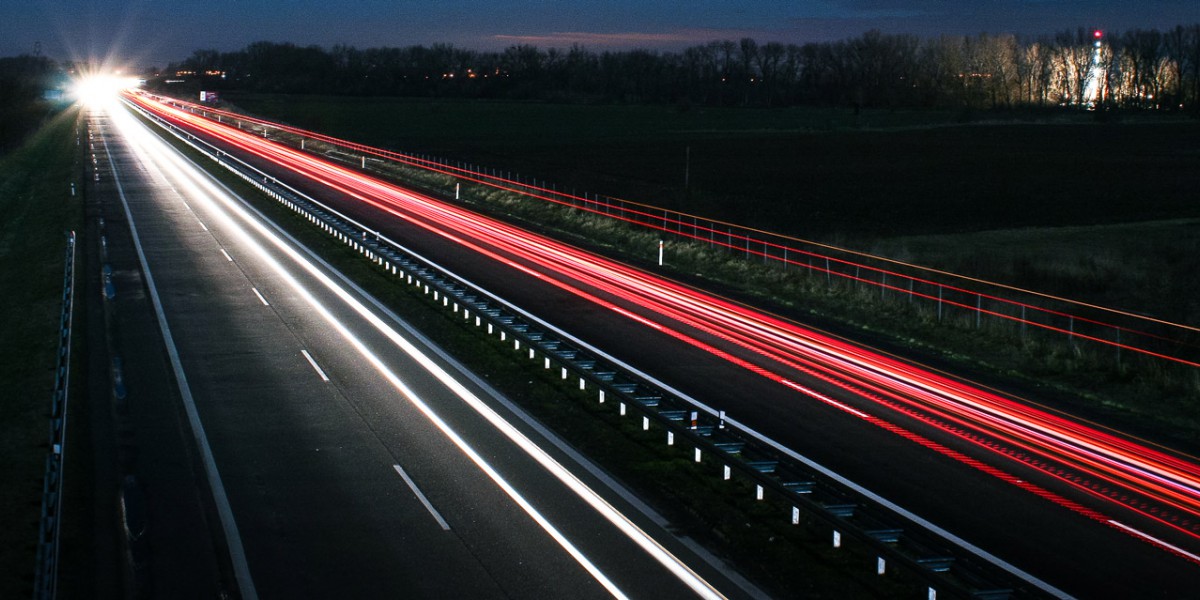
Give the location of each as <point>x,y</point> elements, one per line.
<point>38,211</point>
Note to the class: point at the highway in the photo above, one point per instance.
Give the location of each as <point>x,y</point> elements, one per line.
<point>345,455</point>
<point>1086,509</point>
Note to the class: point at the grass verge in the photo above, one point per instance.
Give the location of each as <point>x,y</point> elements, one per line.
<point>38,210</point>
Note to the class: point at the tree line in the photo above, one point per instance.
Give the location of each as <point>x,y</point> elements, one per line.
<point>1132,69</point>
<point>23,82</point>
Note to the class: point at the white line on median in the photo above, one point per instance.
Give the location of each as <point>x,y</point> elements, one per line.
<point>260,296</point>
<point>428,506</point>
<point>315,366</point>
<point>227,256</point>
<point>202,225</point>
<point>1154,540</point>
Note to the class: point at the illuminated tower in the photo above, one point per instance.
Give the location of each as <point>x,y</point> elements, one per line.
<point>1093,85</point>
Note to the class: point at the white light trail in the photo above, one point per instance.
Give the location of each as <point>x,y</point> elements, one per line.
<point>223,206</point>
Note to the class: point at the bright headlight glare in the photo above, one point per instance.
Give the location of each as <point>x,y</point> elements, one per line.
<point>101,89</point>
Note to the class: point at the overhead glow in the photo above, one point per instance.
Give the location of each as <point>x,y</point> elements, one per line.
<point>101,89</point>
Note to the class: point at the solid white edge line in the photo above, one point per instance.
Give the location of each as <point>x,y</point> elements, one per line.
<point>233,539</point>
<point>421,496</point>
<point>260,296</point>
<point>1153,540</point>
<point>314,364</point>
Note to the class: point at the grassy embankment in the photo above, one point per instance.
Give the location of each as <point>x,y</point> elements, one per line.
<point>1100,212</point>
<point>37,211</point>
<point>787,560</point>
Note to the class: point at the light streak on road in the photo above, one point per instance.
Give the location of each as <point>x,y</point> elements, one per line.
<point>1157,485</point>
<point>235,219</point>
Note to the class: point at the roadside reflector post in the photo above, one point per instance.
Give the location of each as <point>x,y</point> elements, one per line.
<point>622,409</point>
<point>728,473</point>
<point>721,421</point>
<point>645,423</point>
<point>601,396</point>
<point>660,253</point>
<point>837,539</point>
<point>880,566</point>
<point>795,515</point>
<point>670,438</point>
<point>457,188</point>
<point>758,491</point>
<point>697,455</point>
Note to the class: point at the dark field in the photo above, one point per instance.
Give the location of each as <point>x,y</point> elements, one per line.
<point>822,173</point>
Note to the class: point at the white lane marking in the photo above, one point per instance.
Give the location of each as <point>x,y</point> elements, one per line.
<point>1154,540</point>
<point>221,194</point>
<point>227,256</point>
<point>260,296</point>
<point>233,539</point>
<point>420,496</point>
<point>315,366</point>
<point>202,225</point>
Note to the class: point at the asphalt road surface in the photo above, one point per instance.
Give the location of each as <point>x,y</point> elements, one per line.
<point>345,457</point>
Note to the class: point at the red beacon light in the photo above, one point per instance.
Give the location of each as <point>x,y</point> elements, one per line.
<point>1098,34</point>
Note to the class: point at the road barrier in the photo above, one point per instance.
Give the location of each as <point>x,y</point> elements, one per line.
<point>815,496</point>
<point>45,581</point>
<point>947,295</point>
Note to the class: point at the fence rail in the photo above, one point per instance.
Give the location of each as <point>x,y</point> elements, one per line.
<point>947,294</point>
<point>45,581</point>
<point>816,497</point>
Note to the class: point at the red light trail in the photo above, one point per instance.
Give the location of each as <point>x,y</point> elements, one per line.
<point>1157,485</point>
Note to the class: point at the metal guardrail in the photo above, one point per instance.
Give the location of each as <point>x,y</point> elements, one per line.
<point>45,581</point>
<point>944,567</point>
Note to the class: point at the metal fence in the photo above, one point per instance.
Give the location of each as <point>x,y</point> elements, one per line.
<point>45,581</point>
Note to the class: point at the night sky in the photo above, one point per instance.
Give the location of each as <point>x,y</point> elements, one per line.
<point>148,32</point>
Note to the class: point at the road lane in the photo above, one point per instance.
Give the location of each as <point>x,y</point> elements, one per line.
<point>310,464</point>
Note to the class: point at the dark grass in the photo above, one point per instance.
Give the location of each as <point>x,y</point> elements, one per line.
<point>37,212</point>
<point>786,560</point>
